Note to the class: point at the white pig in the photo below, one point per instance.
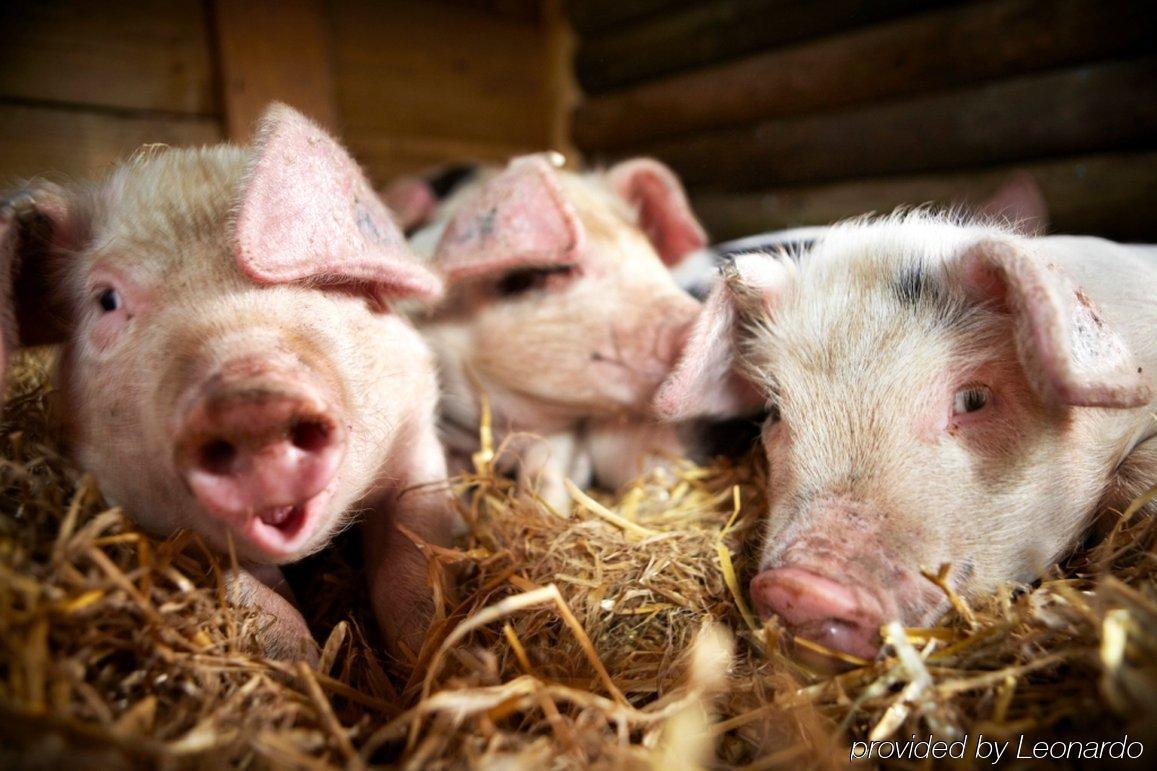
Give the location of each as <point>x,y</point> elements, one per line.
<point>561,308</point>
<point>939,393</point>
<point>230,364</point>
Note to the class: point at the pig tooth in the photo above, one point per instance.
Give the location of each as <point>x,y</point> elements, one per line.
<point>276,516</point>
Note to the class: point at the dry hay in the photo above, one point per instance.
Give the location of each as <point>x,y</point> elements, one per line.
<point>596,637</point>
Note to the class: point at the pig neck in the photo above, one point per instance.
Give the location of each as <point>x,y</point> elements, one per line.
<point>460,407</point>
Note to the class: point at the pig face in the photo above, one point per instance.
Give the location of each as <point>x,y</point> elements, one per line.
<point>930,391</point>
<point>229,364</point>
<point>560,301</point>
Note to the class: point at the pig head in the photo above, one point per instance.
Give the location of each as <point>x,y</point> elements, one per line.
<point>937,394</point>
<point>230,364</point>
<point>560,305</point>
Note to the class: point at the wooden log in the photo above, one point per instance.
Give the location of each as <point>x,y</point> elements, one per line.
<point>1103,106</point>
<point>1112,195</point>
<point>588,16</point>
<point>150,55</point>
<point>942,49</point>
<point>273,50</point>
<point>72,143</point>
<point>405,69</point>
<point>714,31</point>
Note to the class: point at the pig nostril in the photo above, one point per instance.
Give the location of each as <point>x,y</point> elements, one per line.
<point>217,457</point>
<point>310,435</point>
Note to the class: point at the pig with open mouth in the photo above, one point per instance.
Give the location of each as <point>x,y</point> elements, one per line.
<point>231,364</point>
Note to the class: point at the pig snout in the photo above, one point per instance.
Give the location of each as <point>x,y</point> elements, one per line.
<point>262,455</point>
<point>659,343</point>
<point>816,608</point>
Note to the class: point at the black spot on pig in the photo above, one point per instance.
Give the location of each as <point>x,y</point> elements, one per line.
<point>911,285</point>
<point>482,227</point>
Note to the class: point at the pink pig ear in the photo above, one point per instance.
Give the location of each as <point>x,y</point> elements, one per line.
<point>412,201</point>
<point>706,381</point>
<point>1069,350</point>
<point>309,214</point>
<point>664,213</point>
<point>520,218</point>
<point>38,225</point>
<point>1021,202</point>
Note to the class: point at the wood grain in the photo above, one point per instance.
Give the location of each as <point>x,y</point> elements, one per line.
<point>707,32</point>
<point>932,51</point>
<point>149,55</point>
<point>1106,194</point>
<point>274,50</point>
<point>1083,109</point>
<point>67,144</point>
<point>419,76</point>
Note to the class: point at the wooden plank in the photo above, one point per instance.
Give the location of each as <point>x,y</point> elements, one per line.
<point>273,50</point>
<point>1112,195</point>
<point>66,143</point>
<point>419,69</point>
<point>530,11</point>
<point>709,32</point>
<point>1105,106</point>
<point>932,51</point>
<point>149,55</point>
<point>562,90</point>
<point>590,16</point>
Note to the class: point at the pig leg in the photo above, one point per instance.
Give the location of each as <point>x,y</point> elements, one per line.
<point>286,636</point>
<point>549,461</point>
<point>623,451</point>
<point>419,500</point>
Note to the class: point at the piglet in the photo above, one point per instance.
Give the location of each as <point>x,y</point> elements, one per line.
<point>937,394</point>
<point>230,362</point>
<point>561,309</point>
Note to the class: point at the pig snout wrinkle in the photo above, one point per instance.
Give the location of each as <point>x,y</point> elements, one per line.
<point>819,609</point>
<point>259,453</point>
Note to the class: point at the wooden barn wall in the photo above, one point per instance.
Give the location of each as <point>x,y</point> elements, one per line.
<point>406,85</point>
<point>780,113</point>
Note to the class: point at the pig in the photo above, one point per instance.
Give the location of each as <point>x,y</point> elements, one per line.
<point>939,392</point>
<point>230,361</point>
<point>561,309</point>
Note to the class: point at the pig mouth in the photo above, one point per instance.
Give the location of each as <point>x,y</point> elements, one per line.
<point>841,620</point>
<point>283,532</point>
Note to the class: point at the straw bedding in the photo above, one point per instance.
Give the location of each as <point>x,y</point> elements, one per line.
<point>613,635</point>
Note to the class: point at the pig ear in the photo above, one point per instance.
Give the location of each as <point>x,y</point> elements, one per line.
<point>411,200</point>
<point>706,381</point>
<point>1069,350</point>
<point>520,218</point>
<point>308,214</point>
<point>35,223</point>
<point>664,213</point>
<point>1021,202</point>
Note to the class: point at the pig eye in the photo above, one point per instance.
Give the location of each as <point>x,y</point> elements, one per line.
<point>971,398</point>
<point>109,300</point>
<point>773,414</point>
<point>523,280</point>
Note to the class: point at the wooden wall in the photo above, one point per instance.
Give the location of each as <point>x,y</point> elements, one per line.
<point>406,84</point>
<point>780,113</point>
